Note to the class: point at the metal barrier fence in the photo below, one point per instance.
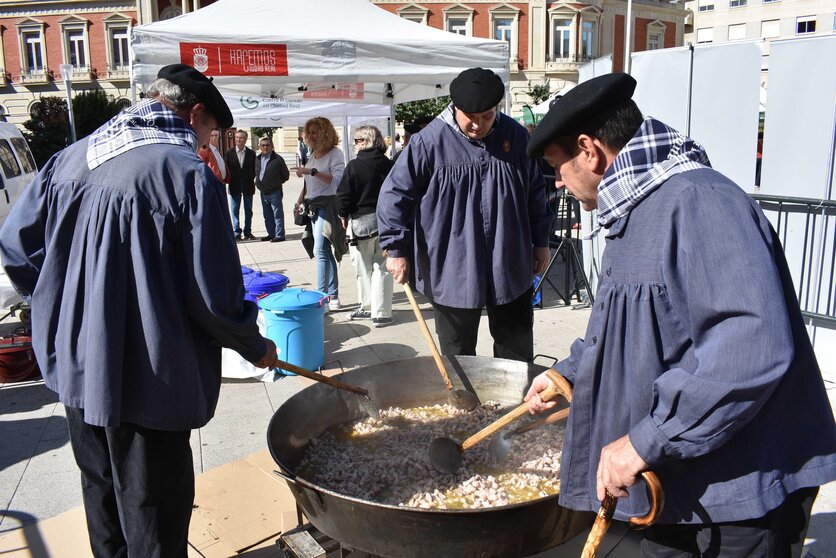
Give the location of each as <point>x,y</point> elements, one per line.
<point>807,230</point>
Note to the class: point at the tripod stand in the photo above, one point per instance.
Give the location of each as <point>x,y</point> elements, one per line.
<point>566,213</point>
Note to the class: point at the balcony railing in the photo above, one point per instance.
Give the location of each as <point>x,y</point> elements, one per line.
<point>35,76</point>
<point>810,251</point>
<point>118,72</point>
<point>82,73</point>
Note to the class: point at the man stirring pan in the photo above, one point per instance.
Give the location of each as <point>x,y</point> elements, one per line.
<point>696,362</point>
<point>463,215</point>
<point>123,245</point>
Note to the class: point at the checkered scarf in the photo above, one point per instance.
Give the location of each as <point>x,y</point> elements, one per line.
<point>656,153</point>
<point>145,123</point>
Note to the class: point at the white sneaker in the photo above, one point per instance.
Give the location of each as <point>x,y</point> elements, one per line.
<point>334,304</point>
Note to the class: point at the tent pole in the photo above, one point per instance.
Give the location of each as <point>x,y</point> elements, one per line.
<point>508,98</point>
<point>392,120</point>
<point>347,147</point>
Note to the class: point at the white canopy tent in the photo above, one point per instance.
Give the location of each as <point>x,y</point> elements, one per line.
<point>345,52</point>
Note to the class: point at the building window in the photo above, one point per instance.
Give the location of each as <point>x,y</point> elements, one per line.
<point>504,21</point>
<point>458,19</point>
<point>737,3</point>
<point>76,51</point>
<point>805,24</point>
<point>414,13</point>
<point>587,40</point>
<point>119,44</point>
<point>502,30</point>
<point>705,5</point>
<point>705,35</point>
<point>737,32</point>
<point>562,39</point>
<point>655,35</point>
<point>3,113</point>
<point>770,1</point>
<point>457,25</point>
<point>770,29</point>
<point>117,28</point>
<point>33,52</point>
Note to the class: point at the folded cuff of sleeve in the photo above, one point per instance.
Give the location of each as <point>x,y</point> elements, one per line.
<point>649,442</point>
<point>254,352</point>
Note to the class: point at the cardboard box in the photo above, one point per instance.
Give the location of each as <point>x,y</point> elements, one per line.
<point>241,508</point>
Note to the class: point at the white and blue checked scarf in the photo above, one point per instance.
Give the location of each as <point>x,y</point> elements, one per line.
<point>656,153</point>
<point>145,123</point>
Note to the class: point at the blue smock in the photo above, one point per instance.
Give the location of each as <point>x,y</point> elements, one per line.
<point>466,213</point>
<point>696,348</point>
<point>135,284</point>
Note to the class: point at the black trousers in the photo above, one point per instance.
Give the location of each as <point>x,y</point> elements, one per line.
<point>778,534</point>
<point>511,327</point>
<point>138,488</point>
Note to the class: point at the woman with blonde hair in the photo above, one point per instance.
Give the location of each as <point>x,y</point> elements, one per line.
<point>322,173</point>
<point>357,200</point>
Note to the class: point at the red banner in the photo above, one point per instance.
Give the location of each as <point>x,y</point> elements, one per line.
<point>230,59</point>
<point>334,91</point>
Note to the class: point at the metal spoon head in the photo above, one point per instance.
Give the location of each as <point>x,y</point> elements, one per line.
<point>500,447</point>
<point>368,406</point>
<point>445,455</point>
<point>462,399</point>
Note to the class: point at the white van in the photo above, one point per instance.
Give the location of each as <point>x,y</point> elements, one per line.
<point>17,167</point>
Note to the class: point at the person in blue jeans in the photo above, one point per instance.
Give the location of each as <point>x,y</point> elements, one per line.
<point>240,161</point>
<point>272,173</point>
<point>322,174</point>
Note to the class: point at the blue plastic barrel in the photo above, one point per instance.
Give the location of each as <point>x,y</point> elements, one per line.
<point>539,296</point>
<point>295,322</point>
<point>259,284</point>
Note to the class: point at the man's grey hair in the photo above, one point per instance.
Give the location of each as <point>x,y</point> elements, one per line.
<point>176,96</point>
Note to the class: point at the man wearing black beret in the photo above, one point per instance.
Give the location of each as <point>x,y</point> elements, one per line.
<point>463,216</point>
<point>696,363</point>
<point>123,246</point>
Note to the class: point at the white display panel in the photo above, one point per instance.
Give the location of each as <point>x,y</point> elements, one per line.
<point>799,126</point>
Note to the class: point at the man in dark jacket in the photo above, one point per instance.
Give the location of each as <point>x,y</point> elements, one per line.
<point>272,172</point>
<point>240,162</point>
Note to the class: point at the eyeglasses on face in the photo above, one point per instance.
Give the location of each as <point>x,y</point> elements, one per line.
<point>359,140</point>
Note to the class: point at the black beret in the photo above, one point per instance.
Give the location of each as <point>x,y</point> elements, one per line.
<point>573,111</point>
<point>476,90</point>
<point>411,128</point>
<point>201,87</point>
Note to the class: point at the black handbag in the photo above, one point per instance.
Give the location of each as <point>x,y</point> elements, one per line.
<point>300,214</point>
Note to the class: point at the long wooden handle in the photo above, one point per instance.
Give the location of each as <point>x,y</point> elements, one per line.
<point>319,377</point>
<point>559,386</point>
<point>439,362</point>
<point>551,419</point>
<point>602,520</point>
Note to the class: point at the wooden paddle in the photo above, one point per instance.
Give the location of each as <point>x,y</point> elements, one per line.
<point>602,520</point>
<point>367,403</point>
<point>459,398</point>
<point>446,455</point>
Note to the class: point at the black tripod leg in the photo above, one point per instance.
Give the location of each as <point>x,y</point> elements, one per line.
<point>584,278</point>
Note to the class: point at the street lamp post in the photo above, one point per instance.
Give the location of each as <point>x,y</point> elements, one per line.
<point>67,76</point>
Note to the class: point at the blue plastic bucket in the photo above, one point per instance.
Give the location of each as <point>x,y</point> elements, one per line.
<point>539,296</point>
<point>295,322</point>
<point>245,271</point>
<point>259,284</point>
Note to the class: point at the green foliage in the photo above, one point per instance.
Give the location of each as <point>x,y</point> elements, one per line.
<point>538,93</point>
<point>259,133</point>
<point>91,109</point>
<point>48,131</point>
<point>408,112</point>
